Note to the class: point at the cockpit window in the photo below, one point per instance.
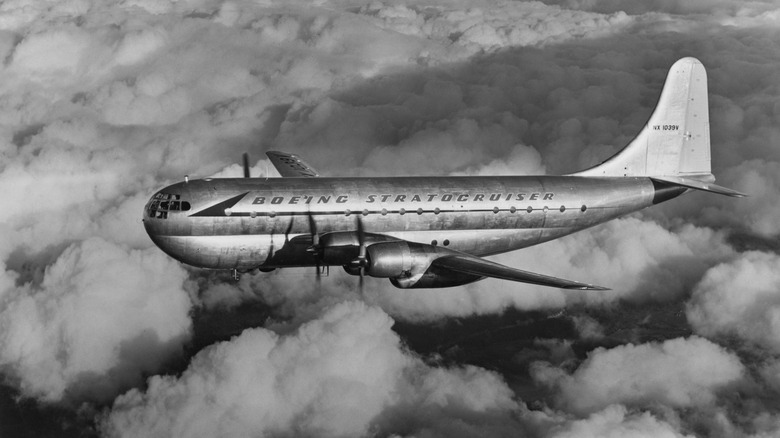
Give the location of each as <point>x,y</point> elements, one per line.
<point>162,203</point>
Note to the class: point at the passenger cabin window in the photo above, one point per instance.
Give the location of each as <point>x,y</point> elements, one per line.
<point>163,203</point>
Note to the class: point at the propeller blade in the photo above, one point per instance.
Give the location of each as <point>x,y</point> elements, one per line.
<point>289,229</point>
<point>361,253</point>
<point>315,237</point>
<point>361,239</point>
<point>315,246</point>
<point>270,256</point>
<point>246,165</point>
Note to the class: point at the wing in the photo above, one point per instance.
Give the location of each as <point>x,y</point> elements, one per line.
<point>478,266</point>
<point>290,165</point>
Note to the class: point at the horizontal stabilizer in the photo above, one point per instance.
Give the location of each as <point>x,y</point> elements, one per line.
<point>485,268</point>
<point>698,185</point>
<point>290,165</point>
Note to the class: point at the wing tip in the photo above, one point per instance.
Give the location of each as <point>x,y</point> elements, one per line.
<point>586,287</point>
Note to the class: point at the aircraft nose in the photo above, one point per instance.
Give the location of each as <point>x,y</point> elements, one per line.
<point>149,217</point>
<point>166,212</point>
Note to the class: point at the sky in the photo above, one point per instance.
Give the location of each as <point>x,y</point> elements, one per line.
<point>102,103</point>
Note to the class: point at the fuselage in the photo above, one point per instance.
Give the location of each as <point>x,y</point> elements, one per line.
<point>249,223</point>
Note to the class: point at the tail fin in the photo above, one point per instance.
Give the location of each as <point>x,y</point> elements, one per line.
<point>674,145</point>
<point>676,139</point>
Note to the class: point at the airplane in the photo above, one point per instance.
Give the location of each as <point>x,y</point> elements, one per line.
<point>433,231</point>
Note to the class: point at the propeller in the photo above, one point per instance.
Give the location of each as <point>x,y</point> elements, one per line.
<point>246,165</point>
<point>315,248</point>
<point>269,258</point>
<point>361,260</point>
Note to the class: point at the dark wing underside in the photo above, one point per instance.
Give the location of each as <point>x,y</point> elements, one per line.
<point>485,268</point>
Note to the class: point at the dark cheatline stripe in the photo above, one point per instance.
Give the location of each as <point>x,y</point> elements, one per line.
<point>218,210</point>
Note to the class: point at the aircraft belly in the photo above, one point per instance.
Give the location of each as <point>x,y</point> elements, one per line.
<point>220,252</point>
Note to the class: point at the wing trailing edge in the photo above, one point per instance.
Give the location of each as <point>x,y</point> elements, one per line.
<point>486,268</point>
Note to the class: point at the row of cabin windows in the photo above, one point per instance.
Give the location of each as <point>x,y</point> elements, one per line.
<point>436,210</point>
<point>420,211</point>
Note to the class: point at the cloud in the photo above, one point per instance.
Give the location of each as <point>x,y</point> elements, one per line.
<point>53,53</point>
<point>616,421</point>
<point>700,8</point>
<point>488,26</point>
<point>740,297</point>
<point>101,317</point>
<point>678,372</point>
<point>760,179</point>
<point>345,373</point>
<point>101,104</point>
<point>139,45</point>
<point>587,327</point>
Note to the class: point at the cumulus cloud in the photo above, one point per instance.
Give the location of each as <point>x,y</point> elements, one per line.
<point>333,377</point>
<point>678,372</point>
<point>587,327</point>
<point>740,297</point>
<point>56,53</point>
<point>616,421</point>
<point>103,103</point>
<point>100,319</point>
<point>485,26</point>
<point>758,212</point>
<point>702,8</point>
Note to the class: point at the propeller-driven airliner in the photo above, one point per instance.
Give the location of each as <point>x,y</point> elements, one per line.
<point>430,232</point>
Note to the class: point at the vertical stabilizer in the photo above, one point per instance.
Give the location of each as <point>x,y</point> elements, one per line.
<point>675,142</point>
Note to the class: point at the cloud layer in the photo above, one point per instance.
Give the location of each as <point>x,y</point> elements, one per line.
<point>101,317</point>
<point>102,103</point>
<point>678,372</point>
<point>740,298</point>
<point>335,376</point>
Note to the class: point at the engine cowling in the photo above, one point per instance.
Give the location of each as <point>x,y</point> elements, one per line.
<point>394,259</point>
<point>430,280</point>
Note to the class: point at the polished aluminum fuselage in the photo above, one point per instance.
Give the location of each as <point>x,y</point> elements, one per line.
<point>255,222</point>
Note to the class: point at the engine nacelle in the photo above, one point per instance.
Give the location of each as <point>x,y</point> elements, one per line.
<point>408,265</point>
<point>394,259</point>
<point>432,278</point>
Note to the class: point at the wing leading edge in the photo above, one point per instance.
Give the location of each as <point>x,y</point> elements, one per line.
<point>485,268</point>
